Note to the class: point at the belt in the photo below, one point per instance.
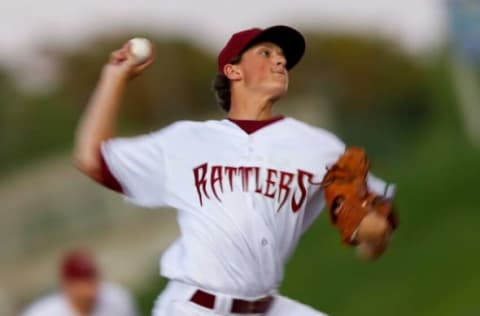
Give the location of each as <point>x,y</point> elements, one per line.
<point>239,306</point>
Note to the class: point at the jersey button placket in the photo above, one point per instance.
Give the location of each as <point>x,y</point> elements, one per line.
<point>250,148</point>
<point>264,242</point>
<point>250,151</point>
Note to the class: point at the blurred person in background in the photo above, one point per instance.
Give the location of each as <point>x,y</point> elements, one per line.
<point>83,293</point>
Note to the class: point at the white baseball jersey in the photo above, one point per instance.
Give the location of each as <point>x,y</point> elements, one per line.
<point>112,300</point>
<point>243,200</point>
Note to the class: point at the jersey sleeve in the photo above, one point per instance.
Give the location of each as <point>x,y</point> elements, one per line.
<point>138,165</point>
<point>30,312</point>
<point>107,179</point>
<point>380,187</point>
<point>331,148</point>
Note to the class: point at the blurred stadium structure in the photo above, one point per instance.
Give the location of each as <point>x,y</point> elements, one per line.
<point>417,112</point>
<point>464,16</point>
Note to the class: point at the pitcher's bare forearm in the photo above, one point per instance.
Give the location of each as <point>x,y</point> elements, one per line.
<point>98,123</point>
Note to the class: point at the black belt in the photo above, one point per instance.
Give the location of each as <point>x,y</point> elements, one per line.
<point>239,306</point>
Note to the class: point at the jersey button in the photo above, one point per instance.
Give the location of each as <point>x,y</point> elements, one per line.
<point>264,241</point>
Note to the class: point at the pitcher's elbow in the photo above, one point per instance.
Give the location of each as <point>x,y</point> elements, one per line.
<point>87,163</point>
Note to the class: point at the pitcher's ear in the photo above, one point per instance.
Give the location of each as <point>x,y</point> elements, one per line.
<point>232,72</point>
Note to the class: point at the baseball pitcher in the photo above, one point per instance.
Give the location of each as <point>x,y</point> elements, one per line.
<point>245,187</point>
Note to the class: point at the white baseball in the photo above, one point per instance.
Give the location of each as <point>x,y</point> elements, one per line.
<point>140,48</point>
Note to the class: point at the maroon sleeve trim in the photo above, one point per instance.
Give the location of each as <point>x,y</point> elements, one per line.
<point>107,179</point>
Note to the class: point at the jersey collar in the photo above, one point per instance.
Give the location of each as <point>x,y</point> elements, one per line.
<point>251,126</point>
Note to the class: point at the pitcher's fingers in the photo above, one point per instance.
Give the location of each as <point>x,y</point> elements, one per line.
<point>146,63</point>
<point>117,56</point>
<point>128,52</point>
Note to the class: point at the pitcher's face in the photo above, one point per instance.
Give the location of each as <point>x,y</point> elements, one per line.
<point>263,68</point>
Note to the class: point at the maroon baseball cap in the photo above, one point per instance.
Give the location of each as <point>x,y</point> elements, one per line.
<point>290,40</point>
<point>78,265</point>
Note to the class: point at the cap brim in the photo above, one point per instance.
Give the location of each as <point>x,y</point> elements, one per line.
<point>288,39</point>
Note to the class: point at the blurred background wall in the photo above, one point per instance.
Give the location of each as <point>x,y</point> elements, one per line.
<point>400,78</point>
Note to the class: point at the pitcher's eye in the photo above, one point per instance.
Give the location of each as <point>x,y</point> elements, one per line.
<point>265,52</point>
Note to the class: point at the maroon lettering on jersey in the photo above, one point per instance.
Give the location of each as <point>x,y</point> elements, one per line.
<point>245,174</point>
<point>230,172</point>
<point>286,179</point>
<point>270,183</point>
<point>277,185</point>
<point>258,188</point>
<point>216,176</point>
<point>200,174</point>
<point>302,177</point>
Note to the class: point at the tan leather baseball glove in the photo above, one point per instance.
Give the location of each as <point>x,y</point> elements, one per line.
<point>347,195</point>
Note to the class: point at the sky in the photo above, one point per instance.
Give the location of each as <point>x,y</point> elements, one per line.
<point>419,25</point>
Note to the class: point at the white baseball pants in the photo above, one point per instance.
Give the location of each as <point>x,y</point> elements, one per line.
<point>175,301</point>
